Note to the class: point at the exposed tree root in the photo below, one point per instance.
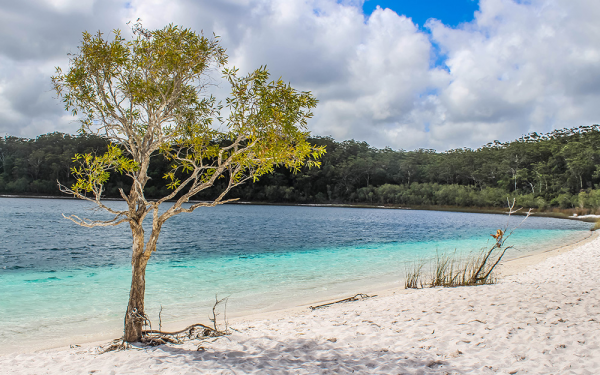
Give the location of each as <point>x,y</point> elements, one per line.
<point>357,297</point>
<point>195,331</point>
<point>189,330</point>
<point>155,337</point>
<point>151,337</point>
<point>115,346</point>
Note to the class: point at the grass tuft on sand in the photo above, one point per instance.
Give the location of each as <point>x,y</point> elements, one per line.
<point>478,269</point>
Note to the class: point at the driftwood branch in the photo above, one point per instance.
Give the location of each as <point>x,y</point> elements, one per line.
<point>357,297</point>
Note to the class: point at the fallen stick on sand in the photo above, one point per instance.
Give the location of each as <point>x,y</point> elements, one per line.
<point>359,296</point>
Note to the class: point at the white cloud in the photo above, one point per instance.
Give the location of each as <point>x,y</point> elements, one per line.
<point>365,73</point>
<point>72,6</point>
<point>520,66</point>
<point>27,103</point>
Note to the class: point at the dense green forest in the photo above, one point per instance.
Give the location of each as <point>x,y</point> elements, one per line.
<point>558,169</point>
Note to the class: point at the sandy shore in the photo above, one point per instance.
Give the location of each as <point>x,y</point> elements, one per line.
<point>542,319</point>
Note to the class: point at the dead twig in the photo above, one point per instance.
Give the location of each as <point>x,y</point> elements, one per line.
<point>215,314</point>
<point>160,319</point>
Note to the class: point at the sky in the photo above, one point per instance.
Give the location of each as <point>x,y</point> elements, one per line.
<point>406,74</point>
<point>450,12</point>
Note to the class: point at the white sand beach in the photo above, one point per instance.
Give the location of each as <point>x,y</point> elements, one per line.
<point>543,319</point>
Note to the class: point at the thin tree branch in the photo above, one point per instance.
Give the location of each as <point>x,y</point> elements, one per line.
<point>97,201</point>
<point>85,222</point>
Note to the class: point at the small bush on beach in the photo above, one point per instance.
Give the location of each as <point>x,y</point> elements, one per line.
<point>449,271</point>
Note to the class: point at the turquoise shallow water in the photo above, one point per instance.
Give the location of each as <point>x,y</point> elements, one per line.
<point>59,280</point>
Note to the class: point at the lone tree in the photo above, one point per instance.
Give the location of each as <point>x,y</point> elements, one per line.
<point>147,97</point>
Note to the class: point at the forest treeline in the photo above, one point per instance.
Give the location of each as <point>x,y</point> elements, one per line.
<point>557,169</point>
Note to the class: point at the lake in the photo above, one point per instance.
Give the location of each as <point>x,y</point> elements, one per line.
<point>62,283</point>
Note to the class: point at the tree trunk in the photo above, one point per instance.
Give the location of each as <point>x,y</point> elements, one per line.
<point>135,315</point>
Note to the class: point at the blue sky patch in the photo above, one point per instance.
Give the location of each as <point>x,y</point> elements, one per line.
<point>450,12</point>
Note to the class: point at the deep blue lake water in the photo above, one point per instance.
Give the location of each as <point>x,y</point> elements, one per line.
<point>57,277</point>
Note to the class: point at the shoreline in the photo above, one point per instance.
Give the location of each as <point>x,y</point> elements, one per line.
<point>512,266</point>
<point>473,210</point>
<point>540,321</point>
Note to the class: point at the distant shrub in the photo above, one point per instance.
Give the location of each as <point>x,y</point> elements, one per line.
<point>562,201</point>
<point>22,184</point>
<point>541,203</point>
<point>526,200</point>
<point>389,193</point>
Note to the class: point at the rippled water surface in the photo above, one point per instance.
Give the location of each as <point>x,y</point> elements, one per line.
<point>59,281</point>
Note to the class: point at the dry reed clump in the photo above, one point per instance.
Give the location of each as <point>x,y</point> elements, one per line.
<point>414,275</point>
<point>450,271</point>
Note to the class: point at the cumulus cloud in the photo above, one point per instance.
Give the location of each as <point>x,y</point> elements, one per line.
<point>366,72</point>
<point>519,66</point>
<point>36,36</point>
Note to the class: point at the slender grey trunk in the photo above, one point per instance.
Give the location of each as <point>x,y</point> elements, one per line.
<point>135,315</point>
